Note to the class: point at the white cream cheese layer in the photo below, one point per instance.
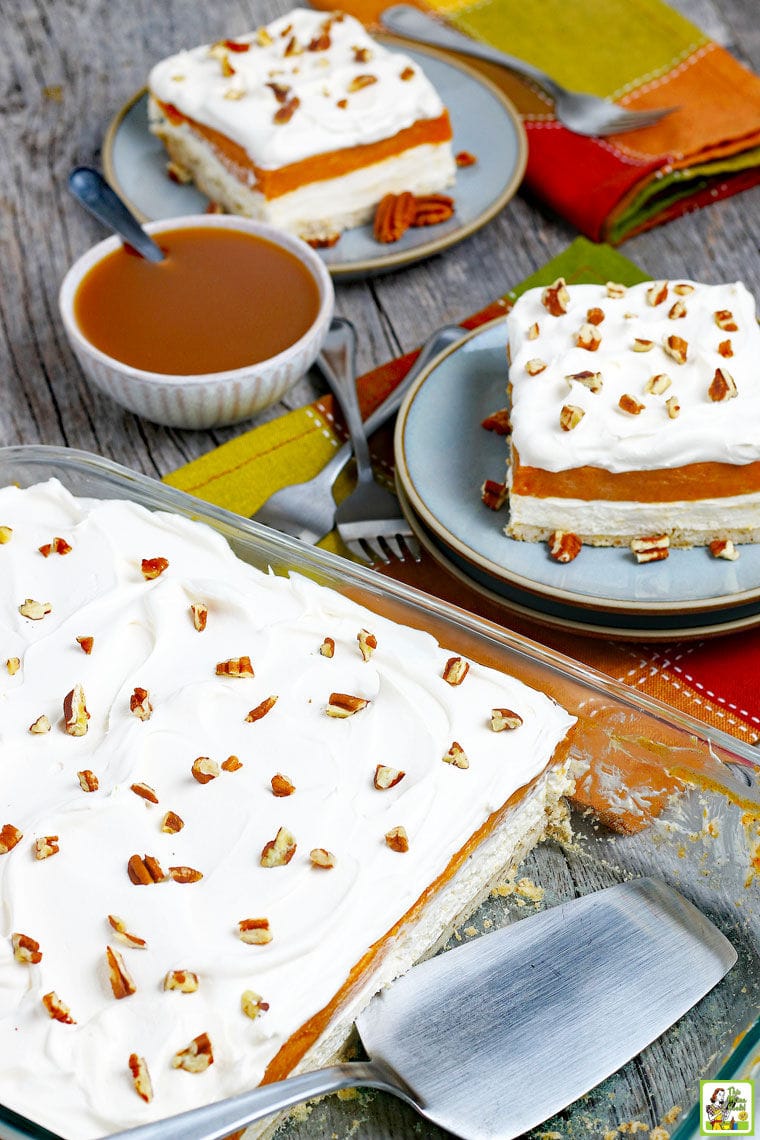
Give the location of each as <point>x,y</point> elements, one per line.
<point>705,430</point>
<point>74,1078</point>
<point>307,84</point>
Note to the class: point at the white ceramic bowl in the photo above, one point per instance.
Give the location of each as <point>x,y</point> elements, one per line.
<point>211,399</point>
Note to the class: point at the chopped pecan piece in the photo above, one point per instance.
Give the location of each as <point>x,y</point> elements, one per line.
<point>432,209</point>
<point>725,320</point>
<point>595,316</point>
<point>615,290</point>
<point>677,311</point>
<point>463,158</point>
<point>235,667</point>
<point>657,293</point>
<point>722,387</point>
<point>254,931</point>
<point>34,610</point>
<point>122,982</point>
<point>9,837</point>
<point>397,839</point>
<point>40,726</point>
<point>535,367</point>
<point>322,858</point>
<point>45,846</point>
<point>279,91</point>
<point>57,1009</point>
<point>361,54</point>
<point>88,781</point>
<point>640,344</point>
<point>493,495</point>
<point>342,705</point>
<point>57,546</point>
<point>658,384</point>
<point>456,756</point>
<point>282,786</point>
<point>139,704</point>
<point>361,81</point>
<point>75,714</point>
<point>673,407</point>
<point>141,1077</point>
<point>13,664</point>
<point>591,380</point>
<point>676,347</point>
<point>200,615</point>
<point>386,777</point>
<point>533,332</point>
<point>323,42</point>
<point>185,875</point>
<point>204,769</point>
<point>651,548</point>
<point>280,850</point>
<point>197,1057</point>
<point>406,74</point>
<point>570,416</point>
<point>143,872</point>
<point>498,422</point>
<point>564,546</point>
<point>555,298</point>
<point>172,823</point>
<point>286,112</point>
<point>119,928</point>
<point>236,45</point>
<point>6,534</point>
<point>630,405</point>
<point>232,764</point>
<point>145,792</point>
<point>261,709</point>
<point>252,1004</point>
<point>292,47</point>
<point>153,567</point>
<point>724,548</point>
<point>367,643</point>
<point>455,670</point>
<point>393,216</point>
<point>183,980</point>
<point>86,643</point>
<point>327,648</point>
<point>504,719</point>
<point>26,950</point>
<point>725,348</point>
<point>683,289</point>
<point>589,338</point>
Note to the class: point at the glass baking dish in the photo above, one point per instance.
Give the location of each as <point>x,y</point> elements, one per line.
<point>665,796</point>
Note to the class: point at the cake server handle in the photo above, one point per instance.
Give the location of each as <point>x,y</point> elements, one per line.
<point>216,1121</point>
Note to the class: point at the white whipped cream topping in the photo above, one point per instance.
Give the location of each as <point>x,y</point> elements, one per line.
<point>74,1078</point>
<point>242,106</point>
<point>607,437</point>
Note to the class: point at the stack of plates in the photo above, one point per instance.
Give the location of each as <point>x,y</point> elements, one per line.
<point>443,456</point>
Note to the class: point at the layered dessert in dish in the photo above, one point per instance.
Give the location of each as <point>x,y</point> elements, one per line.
<point>305,123</point>
<point>635,415</point>
<point>235,805</point>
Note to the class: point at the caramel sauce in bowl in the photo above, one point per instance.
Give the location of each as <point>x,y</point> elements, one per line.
<point>220,330</point>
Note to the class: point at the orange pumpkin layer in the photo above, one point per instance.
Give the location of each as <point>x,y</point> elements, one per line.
<point>318,167</point>
<point>689,483</point>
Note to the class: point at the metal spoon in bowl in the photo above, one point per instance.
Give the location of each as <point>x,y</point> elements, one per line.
<point>91,189</point>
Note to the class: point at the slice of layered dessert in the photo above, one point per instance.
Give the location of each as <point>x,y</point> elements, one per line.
<point>306,123</point>
<point>635,412</point>
<point>235,805</point>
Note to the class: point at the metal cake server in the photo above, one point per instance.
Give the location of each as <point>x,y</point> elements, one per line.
<point>494,1037</point>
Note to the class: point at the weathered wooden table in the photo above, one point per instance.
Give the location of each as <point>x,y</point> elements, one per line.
<point>65,69</point>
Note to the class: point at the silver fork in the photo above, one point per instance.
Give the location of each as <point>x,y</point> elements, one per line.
<point>584,114</point>
<point>307,510</point>
<point>370,513</point>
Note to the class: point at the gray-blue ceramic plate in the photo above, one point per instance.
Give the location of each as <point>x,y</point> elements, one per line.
<point>484,123</point>
<point>442,457</point>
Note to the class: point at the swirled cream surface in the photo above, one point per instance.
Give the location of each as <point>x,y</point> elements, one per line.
<point>74,1077</point>
<point>307,84</point>
<point>717,329</point>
